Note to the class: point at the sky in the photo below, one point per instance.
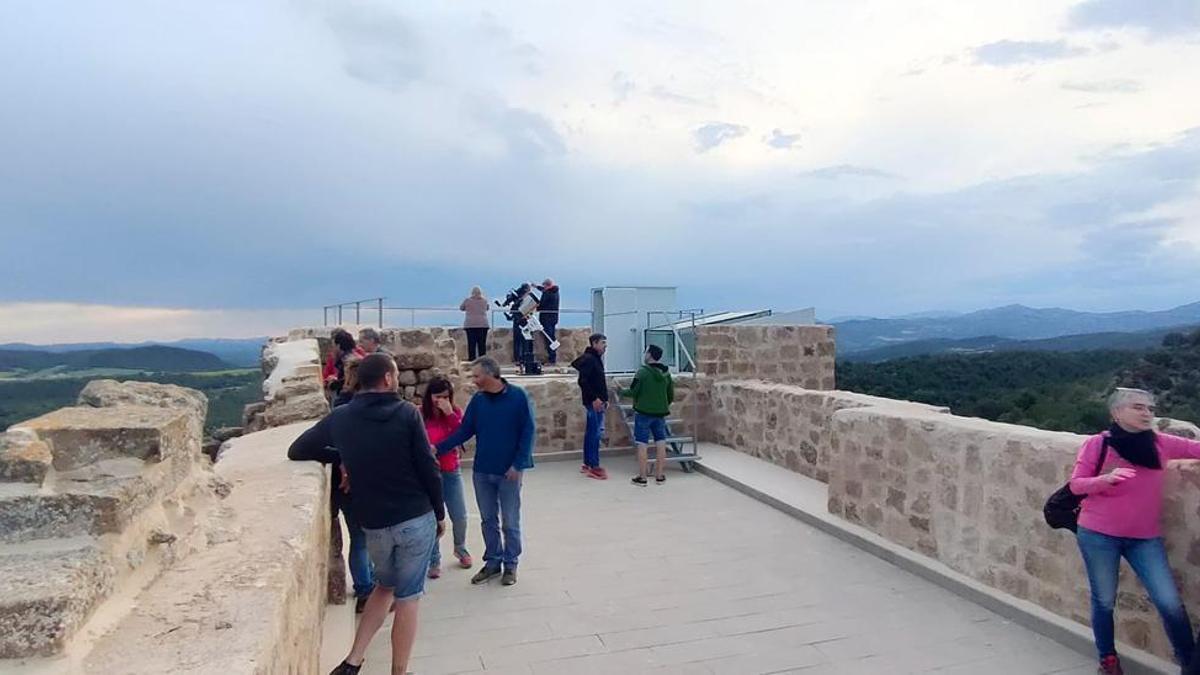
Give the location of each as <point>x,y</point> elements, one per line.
<point>180,169</point>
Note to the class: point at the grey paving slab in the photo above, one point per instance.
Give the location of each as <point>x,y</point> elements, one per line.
<point>694,577</point>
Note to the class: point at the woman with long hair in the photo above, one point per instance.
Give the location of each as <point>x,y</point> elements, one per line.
<point>442,418</point>
<point>1120,474</point>
<point>343,347</point>
<point>476,323</point>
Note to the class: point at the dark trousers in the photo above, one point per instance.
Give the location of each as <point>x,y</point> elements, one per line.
<point>551,330</point>
<point>476,343</point>
<point>520,345</point>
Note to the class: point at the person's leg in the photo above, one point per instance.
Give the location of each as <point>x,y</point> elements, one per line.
<point>472,334</point>
<point>487,498</point>
<point>1102,559</point>
<point>483,334</point>
<point>414,542</point>
<point>658,428</point>
<point>381,547</point>
<point>509,493</point>
<point>404,634</point>
<point>1148,558</point>
<point>591,438</point>
<point>641,437</point>
<point>361,570</point>
<point>456,508</point>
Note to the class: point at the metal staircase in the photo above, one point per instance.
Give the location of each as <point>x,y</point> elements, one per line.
<point>681,449</point>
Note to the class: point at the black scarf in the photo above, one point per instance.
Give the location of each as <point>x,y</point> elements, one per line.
<point>1139,449</point>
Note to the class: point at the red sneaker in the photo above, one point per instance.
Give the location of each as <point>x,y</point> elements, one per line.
<point>1110,665</point>
<point>598,473</point>
<point>585,469</point>
<point>435,572</point>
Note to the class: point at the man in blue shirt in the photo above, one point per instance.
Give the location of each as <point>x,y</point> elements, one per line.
<point>500,418</point>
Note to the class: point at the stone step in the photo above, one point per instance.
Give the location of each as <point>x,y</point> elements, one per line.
<point>90,501</point>
<point>23,457</point>
<point>48,588</point>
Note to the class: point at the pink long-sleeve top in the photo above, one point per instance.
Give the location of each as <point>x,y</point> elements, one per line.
<point>1133,507</point>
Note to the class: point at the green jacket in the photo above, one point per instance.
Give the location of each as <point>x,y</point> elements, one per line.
<point>652,390</point>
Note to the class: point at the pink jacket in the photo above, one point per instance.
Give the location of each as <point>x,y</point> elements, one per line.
<point>1132,508</point>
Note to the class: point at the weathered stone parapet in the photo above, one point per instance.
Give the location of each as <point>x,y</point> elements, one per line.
<point>253,600</point>
<point>969,493</point>
<point>784,424</point>
<point>96,501</point>
<point>800,355</point>
<point>292,390</point>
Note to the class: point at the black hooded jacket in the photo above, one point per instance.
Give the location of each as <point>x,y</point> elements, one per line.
<point>381,442</point>
<point>548,307</point>
<point>593,383</point>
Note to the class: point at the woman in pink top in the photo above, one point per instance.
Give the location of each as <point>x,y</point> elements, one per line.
<point>441,420</point>
<point>1120,472</point>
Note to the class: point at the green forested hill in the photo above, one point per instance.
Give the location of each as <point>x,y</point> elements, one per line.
<point>154,358</point>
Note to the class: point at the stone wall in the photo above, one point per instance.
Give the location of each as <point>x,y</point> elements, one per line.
<point>969,493</point>
<point>573,342</point>
<point>800,355</point>
<point>784,424</point>
<point>292,388</point>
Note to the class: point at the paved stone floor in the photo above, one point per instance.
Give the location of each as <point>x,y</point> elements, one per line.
<point>693,577</point>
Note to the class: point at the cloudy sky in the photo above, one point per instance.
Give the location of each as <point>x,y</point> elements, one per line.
<point>170,169</point>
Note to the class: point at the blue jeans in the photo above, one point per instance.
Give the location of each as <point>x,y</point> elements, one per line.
<point>456,508</point>
<point>550,329</point>
<point>1102,557</point>
<point>591,437</point>
<point>361,571</point>
<point>499,501</point>
<point>401,555</point>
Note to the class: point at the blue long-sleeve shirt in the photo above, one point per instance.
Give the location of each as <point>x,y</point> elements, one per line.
<point>503,427</point>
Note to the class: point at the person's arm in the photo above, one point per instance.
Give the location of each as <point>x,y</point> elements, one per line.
<point>1178,447</point>
<point>634,388</point>
<point>425,467</point>
<point>524,458</point>
<point>1086,478</point>
<point>315,445</point>
<point>464,432</point>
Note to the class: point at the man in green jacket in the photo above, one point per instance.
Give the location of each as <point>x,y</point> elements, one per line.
<point>652,391</point>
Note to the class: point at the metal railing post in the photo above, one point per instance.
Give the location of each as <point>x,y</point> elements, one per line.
<point>380,312</point>
<point>358,312</point>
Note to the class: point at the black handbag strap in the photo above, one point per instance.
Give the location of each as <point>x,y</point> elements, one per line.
<point>1103,455</point>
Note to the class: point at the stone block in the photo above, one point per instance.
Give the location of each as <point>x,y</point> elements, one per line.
<point>24,458</point>
<point>408,377</point>
<point>415,360</point>
<point>81,436</point>
<point>225,433</point>
<point>307,407</point>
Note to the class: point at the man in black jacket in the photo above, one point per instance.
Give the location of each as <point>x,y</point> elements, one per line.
<point>381,443</point>
<point>548,315</point>
<point>593,386</point>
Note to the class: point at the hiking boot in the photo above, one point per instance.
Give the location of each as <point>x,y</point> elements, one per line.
<point>344,668</point>
<point>435,572</point>
<point>639,481</point>
<point>464,559</point>
<point>1110,665</point>
<point>485,575</point>
<point>598,473</point>
<point>360,603</point>
<point>510,578</point>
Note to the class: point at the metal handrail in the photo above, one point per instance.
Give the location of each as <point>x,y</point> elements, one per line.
<point>358,304</point>
<point>337,318</point>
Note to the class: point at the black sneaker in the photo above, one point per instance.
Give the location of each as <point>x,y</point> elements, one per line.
<point>639,481</point>
<point>360,603</point>
<point>510,578</point>
<point>660,480</point>
<point>346,669</point>
<point>485,575</point>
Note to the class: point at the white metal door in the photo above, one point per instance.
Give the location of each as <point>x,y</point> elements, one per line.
<point>622,326</point>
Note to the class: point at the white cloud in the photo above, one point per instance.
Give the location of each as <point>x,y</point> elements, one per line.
<point>62,322</point>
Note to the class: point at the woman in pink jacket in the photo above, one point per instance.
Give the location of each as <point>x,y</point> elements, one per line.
<point>442,418</point>
<point>1120,472</point>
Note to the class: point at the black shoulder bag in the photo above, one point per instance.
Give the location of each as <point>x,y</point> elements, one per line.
<point>1062,508</point>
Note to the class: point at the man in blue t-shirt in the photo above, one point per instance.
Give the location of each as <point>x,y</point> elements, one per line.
<point>500,418</point>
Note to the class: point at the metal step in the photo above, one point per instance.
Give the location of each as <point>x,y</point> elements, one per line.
<point>676,458</point>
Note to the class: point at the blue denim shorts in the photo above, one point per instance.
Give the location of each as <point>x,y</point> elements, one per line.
<point>401,553</point>
<point>647,426</point>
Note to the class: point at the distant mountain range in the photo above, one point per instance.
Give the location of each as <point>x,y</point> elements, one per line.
<point>239,352</point>
<point>152,358</point>
<point>1014,322</point>
<point>1138,341</point>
